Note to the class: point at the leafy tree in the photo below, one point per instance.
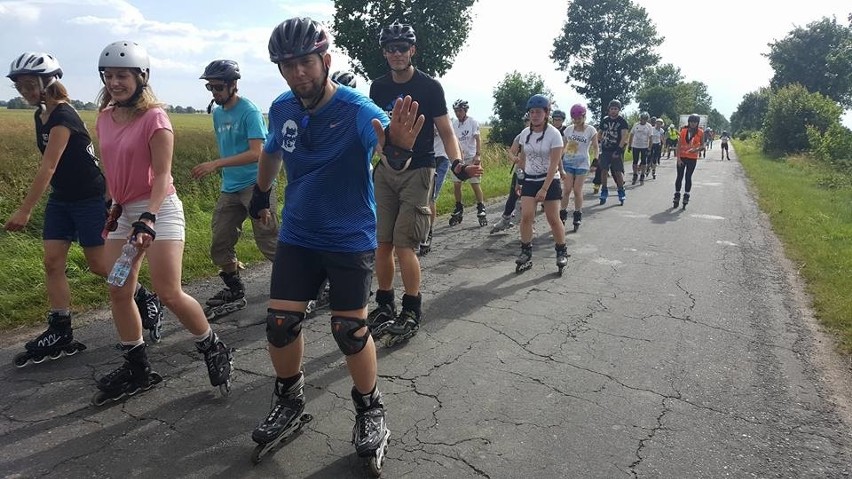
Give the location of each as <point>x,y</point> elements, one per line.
<point>605,46</point>
<point>666,75</point>
<point>792,110</point>
<point>657,94</point>
<point>2,103</point>
<point>717,121</point>
<point>751,111</point>
<point>510,101</point>
<point>692,97</point>
<point>442,27</point>
<point>819,57</point>
<point>18,103</point>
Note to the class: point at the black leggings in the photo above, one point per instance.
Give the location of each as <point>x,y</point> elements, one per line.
<point>512,199</point>
<point>689,166</point>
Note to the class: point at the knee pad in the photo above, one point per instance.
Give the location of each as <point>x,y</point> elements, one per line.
<point>343,329</point>
<point>283,327</point>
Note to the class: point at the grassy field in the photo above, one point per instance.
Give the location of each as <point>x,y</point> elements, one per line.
<point>815,225</point>
<point>22,292</point>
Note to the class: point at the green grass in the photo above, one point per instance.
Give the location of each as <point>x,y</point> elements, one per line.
<point>22,291</point>
<point>815,225</point>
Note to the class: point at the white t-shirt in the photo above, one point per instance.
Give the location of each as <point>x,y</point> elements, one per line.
<point>466,132</point>
<point>577,145</point>
<point>438,146</point>
<point>656,135</point>
<point>537,149</point>
<point>641,135</point>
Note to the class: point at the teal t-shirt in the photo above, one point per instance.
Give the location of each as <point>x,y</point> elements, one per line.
<point>234,128</point>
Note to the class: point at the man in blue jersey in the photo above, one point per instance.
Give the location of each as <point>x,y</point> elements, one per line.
<point>240,133</point>
<point>325,136</point>
<point>403,195</point>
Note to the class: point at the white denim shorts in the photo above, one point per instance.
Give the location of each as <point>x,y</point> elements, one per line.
<point>170,224</point>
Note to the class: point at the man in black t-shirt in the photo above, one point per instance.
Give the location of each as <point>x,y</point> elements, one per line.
<point>612,132</point>
<point>403,196</point>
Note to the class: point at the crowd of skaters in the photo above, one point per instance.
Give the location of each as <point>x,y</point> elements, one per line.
<point>324,133</point>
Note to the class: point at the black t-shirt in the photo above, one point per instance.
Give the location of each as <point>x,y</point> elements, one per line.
<point>78,175</point>
<point>429,94</point>
<point>610,131</point>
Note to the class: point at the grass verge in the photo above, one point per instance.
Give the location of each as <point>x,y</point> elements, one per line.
<point>815,225</point>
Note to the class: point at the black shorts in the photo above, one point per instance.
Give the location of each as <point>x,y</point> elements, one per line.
<point>612,160</point>
<point>298,272</point>
<point>530,188</point>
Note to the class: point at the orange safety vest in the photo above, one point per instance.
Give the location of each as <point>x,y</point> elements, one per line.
<point>684,146</point>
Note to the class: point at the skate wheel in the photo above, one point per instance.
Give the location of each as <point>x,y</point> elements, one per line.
<point>373,467</point>
<point>21,359</point>
<point>99,399</point>
<point>225,389</point>
<point>155,335</point>
<point>576,227</point>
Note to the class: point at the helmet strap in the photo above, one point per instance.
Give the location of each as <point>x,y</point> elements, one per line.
<point>135,97</point>
<point>319,97</point>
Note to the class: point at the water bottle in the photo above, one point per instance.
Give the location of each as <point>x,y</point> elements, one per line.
<point>123,265</point>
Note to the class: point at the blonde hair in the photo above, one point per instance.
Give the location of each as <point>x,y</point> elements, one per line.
<point>146,100</point>
<point>56,91</point>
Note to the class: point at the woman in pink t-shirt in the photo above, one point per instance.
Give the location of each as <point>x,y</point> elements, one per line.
<point>136,143</point>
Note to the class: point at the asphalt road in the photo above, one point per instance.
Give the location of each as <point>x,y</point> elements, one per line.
<point>677,344</point>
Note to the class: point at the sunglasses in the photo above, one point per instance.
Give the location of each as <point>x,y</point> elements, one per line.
<point>400,48</point>
<point>216,88</point>
<point>112,219</point>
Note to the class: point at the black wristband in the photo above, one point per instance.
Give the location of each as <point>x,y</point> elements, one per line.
<point>142,227</point>
<point>148,216</point>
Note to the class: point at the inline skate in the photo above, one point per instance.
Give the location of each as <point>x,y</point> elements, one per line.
<point>480,214</point>
<point>524,260</point>
<point>152,312</point>
<point>504,224</point>
<point>219,360</point>
<point>578,218</point>
<point>231,298</point>
<point>285,419</point>
<point>457,215</point>
<point>132,377</point>
<point>676,199</point>
<point>635,177</point>
<point>321,302</point>
<point>622,195</point>
<point>370,434</point>
<point>381,318</point>
<point>561,257</point>
<point>426,246</point>
<point>604,195</point>
<point>685,200</point>
<point>563,216</point>
<point>55,342</point>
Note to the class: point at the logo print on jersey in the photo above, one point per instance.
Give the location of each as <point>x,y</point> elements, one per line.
<point>389,108</point>
<point>289,132</point>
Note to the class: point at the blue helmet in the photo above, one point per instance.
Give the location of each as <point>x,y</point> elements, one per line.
<point>538,101</point>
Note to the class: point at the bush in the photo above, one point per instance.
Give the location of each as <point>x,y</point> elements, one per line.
<point>834,146</point>
<point>791,110</point>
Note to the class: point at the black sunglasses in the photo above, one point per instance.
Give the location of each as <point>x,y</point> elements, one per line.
<point>400,48</point>
<point>216,88</point>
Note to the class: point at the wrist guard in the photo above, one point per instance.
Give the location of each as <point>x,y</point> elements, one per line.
<point>148,216</point>
<point>259,201</point>
<point>397,158</point>
<point>142,227</point>
<point>459,170</point>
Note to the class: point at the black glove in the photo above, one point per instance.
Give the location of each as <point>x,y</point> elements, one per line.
<point>459,170</point>
<point>259,201</point>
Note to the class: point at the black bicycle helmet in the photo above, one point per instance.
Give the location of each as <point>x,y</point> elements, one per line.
<point>558,115</point>
<point>615,103</point>
<point>297,37</point>
<point>397,32</point>
<point>344,78</point>
<point>694,117</point>
<point>225,70</point>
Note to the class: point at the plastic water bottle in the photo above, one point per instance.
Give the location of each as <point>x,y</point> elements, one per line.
<point>123,265</point>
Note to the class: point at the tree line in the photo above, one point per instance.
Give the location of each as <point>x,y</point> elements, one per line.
<point>18,103</point>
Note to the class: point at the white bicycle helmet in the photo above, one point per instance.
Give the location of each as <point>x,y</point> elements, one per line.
<point>33,63</point>
<point>125,54</point>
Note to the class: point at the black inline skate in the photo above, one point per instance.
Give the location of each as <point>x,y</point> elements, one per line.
<point>622,195</point>
<point>578,219</point>
<point>321,302</point>
<point>55,342</point>
<point>152,312</point>
<point>370,433</point>
<point>480,214</point>
<point>219,360</point>
<point>561,257</point>
<point>685,200</point>
<point>406,324</point>
<point>381,318</point>
<point>285,419</point>
<point>132,377</point>
<point>231,298</point>
<point>635,177</point>
<point>524,260</point>
<point>457,215</point>
<point>676,199</point>
<point>563,216</point>
<point>426,246</point>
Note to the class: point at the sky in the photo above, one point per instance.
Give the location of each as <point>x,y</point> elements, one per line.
<point>721,46</point>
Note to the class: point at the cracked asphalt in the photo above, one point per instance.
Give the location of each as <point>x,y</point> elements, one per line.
<point>677,345</point>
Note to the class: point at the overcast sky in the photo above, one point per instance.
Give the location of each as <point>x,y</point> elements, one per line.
<point>720,44</point>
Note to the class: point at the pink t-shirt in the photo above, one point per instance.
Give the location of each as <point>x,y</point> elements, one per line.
<point>126,153</point>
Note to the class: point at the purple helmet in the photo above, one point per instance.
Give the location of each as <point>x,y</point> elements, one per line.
<point>578,111</point>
